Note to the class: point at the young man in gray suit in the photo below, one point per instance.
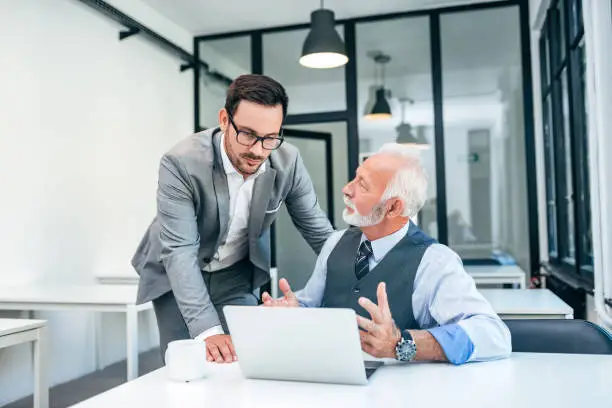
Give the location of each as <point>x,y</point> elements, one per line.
<point>218,193</point>
<point>427,306</point>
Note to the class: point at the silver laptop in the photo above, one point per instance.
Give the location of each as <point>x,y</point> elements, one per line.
<point>299,344</point>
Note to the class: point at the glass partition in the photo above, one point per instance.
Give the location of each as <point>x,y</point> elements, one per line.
<point>404,44</point>
<point>295,259</point>
<point>310,90</point>
<point>230,57</point>
<point>484,138</point>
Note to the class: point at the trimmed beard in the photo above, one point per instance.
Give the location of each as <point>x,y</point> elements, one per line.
<point>375,217</point>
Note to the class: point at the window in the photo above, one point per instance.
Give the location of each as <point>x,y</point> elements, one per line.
<point>408,81</point>
<point>550,178</point>
<point>562,58</point>
<point>484,135</point>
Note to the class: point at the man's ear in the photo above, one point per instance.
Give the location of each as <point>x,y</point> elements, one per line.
<point>223,119</point>
<point>396,208</point>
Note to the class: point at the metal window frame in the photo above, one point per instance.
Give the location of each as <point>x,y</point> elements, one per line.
<point>581,265</point>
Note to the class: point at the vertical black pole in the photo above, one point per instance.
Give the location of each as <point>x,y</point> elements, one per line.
<point>196,85</point>
<point>530,148</point>
<point>350,72</point>
<point>329,160</point>
<point>438,98</point>
<point>256,53</point>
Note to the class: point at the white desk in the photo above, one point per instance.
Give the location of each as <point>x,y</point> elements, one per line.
<point>527,304</point>
<point>117,278</point>
<point>524,380</point>
<point>96,298</point>
<point>497,274</point>
<point>18,331</point>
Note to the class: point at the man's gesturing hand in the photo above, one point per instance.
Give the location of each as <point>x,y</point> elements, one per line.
<point>219,349</point>
<point>288,300</point>
<point>379,335</point>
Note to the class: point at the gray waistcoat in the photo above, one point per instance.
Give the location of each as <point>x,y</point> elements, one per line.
<point>397,269</point>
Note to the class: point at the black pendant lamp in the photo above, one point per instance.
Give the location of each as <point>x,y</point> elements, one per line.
<point>323,47</point>
<point>380,109</point>
<point>405,134</point>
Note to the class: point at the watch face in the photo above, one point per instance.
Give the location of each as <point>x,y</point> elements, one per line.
<point>406,350</point>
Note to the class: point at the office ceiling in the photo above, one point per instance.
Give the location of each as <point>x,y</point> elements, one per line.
<point>490,44</point>
<point>210,17</point>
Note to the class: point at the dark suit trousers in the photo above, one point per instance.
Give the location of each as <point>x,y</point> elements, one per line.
<point>230,286</point>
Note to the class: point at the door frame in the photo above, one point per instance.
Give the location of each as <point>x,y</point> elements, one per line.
<point>329,178</point>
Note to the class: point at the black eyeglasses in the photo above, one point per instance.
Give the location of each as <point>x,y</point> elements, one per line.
<point>249,138</point>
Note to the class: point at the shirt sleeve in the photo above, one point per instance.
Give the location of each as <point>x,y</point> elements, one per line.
<point>447,304</point>
<point>210,332</point>
<point>312,294</point>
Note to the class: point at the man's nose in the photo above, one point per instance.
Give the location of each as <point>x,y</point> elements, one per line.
<point>347,189</point>
<point>257,149</point>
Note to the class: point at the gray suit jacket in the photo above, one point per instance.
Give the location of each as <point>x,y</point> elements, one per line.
<point>192,221</point>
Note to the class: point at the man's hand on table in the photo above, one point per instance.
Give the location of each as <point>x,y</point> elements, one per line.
<point>219,349</point>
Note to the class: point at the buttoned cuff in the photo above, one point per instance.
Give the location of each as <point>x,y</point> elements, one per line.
<point>455,342</point>
<point>210,332</point>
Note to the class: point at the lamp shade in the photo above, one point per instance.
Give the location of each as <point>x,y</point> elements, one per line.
<point>381,108</point>
<point>405,136</point>
<point>323,47</point>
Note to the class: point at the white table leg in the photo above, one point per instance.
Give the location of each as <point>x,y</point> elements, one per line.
<point>41,382</point>
<point>98,340</point>
<point>132,342</point>
<point>29,314</point>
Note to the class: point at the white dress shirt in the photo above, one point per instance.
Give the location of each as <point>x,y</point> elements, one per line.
<point>236,246</point>
<point>443,294</point>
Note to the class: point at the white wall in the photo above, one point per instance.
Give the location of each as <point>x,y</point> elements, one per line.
<point>148,16</point>
<point>84,119</point>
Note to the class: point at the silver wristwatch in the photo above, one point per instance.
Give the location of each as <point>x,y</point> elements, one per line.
<point>406,349</point>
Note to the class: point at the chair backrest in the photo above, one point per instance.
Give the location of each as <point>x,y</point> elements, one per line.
<point>570,336</point>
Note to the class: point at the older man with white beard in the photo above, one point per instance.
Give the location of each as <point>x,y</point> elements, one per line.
<point>427,307</point>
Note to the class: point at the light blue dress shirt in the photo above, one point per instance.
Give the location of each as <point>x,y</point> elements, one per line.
<point>444,301</point>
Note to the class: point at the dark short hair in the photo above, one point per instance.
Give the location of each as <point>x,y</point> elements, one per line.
<point>259,89</point>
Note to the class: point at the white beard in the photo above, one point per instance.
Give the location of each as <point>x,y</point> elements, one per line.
<point>375,217</point>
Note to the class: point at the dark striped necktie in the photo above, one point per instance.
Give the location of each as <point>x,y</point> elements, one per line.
<point>362,266</point>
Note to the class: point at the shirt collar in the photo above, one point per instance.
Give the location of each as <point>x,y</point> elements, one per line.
<point>229,167</point>
<point>382,246</point>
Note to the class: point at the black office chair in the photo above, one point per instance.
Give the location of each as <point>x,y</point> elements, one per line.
<point>569,336</point>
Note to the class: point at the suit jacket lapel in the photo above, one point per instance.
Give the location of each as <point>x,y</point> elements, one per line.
<point>262,191</point>
<point>221,188</point>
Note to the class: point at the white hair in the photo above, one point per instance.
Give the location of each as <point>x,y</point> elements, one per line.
<point>409,183</point>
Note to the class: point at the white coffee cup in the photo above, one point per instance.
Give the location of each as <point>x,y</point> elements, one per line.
<point>186,360</point>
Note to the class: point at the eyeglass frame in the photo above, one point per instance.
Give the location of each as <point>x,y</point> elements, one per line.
<point>257,137</point>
